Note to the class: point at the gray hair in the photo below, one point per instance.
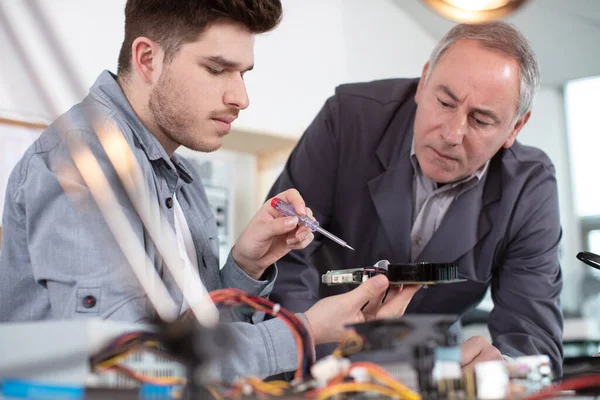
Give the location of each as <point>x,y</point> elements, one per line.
<point>506,39</point>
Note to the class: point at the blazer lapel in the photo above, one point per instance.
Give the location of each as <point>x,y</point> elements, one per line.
<point>467,221</point>
<point>462,227</point>
<point>391,191</point>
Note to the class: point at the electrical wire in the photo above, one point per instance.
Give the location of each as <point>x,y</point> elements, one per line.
<point>125,344</point>
<point>302,337</point>
<point>381,377</point>
<point>214,393</point>
<point>350,343</point>
<point>122,347</point>
<point>148,379</point>
<point>356,387</point>
<point>577,383</point>
<point>378,373</point>
<point>112,356</point>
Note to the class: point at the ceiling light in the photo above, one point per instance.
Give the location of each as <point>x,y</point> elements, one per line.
<point>474,11</point>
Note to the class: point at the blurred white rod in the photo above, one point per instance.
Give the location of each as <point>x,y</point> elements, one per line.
<point>124,234</point>
<point>163,236</point>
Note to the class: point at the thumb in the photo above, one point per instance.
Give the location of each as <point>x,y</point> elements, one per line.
<point>372,289</point>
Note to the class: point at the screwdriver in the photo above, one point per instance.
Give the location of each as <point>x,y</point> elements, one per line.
<point>288,210</point>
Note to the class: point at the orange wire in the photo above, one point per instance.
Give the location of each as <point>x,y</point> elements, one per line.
<point>232,296</point>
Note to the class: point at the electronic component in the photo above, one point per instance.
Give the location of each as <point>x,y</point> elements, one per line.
<point>412,356</point>
<point>58,352</point>
<point>421,273</point>
<point>492,380</point>
<point>406,347</point>
<point>328,368</point>
<point>352,275</point>
<point>528,374</point>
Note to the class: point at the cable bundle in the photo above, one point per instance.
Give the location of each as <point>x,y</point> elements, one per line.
<point>125,345</point>
<point>304,343</point>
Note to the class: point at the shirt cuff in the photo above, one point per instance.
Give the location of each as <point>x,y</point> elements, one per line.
<point>234,277</point>
<point>280,345</point>
<point>306,322</point>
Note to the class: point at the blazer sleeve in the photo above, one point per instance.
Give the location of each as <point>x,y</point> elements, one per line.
<point>311,169</point>
<point>527,284</point>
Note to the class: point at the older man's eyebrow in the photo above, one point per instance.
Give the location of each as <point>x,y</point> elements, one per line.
<point>449,92</point>
<point>478,110</point>
<point>225,63</point>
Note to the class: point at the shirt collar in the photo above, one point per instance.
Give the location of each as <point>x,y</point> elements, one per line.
<point>106,90</point>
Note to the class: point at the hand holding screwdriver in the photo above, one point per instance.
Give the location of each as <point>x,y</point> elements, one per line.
<point>288,210</point>
<point>268,236</point>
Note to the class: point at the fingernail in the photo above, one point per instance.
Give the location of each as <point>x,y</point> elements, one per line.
<point>379,281</point>
<point>291,221</point>
<point>301,210</point>
<point>291,241</point>
<point>304,236</point>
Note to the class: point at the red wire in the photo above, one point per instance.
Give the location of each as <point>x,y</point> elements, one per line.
<point>577,383</point>
<point>233,297</point>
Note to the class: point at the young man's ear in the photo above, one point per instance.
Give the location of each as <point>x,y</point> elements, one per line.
<point>147,59</point>
<point>515,130</point>
<point>421,82</point>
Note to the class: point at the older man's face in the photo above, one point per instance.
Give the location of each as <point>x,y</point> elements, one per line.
<point>466,111</point>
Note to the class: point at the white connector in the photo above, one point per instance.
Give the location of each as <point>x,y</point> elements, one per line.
<point>329,367</point>
<point>492,380</point>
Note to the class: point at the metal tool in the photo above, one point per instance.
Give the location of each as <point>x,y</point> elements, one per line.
<point>287,209</point>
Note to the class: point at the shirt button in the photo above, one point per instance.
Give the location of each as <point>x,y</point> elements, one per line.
<point>418,241</point>
<point>169,202</point>
<point>89,301</point>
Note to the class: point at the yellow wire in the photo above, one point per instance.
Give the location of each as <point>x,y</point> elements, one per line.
<point>356,387</point>
<point>280,384</point>
<point>120,357</point>
<point>266,387</point>
<point>111,362</point>
<point>404,391</point>
<point>344,349</point>
<point>381,375</point>
<point>214,393</point>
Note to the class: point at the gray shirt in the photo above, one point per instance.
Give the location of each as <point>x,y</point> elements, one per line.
<point>431,202</point>
<point>57,253</point>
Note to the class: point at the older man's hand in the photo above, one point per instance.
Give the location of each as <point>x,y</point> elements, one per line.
<point>475,350</point>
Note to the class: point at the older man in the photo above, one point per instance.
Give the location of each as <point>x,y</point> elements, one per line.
<point>429,169</point>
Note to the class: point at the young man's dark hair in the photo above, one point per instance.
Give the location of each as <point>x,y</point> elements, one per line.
<point>173,23</point>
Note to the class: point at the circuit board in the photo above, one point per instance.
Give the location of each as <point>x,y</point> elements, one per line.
<point>422,273</point>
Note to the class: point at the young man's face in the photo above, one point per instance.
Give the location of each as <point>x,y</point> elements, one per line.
<point>202,90</point>
<point>466,111</point>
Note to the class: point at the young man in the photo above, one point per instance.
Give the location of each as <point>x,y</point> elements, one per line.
<point>428,169</point>
<point>180,82</point>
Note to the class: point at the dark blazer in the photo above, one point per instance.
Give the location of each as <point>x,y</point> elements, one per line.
<point>352,166</point>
